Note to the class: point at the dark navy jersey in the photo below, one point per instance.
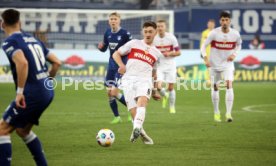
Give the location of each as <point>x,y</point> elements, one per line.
<point>35,53</point>
<point>114,40</point>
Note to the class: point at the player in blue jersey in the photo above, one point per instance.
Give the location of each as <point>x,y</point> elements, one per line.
<point>114,38</point>
<point>27,57</point>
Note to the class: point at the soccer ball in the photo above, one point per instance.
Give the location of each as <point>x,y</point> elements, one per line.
<point>105,137</point>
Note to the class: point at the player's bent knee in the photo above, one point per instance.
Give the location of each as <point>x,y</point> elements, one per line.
<point>22,132</point>
<point>142,101</point>
<point>5,128</point>
<point>114,92</point>
<point>109,93</point>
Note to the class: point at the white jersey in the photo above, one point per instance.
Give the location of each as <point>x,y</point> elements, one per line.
<point>166,44</point>
<point>222,46</point>
<point>141,59</point>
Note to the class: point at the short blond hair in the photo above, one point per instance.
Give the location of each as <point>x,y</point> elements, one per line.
<point>115,14</point>
<point>162,21</point>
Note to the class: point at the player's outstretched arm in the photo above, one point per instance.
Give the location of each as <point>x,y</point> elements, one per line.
<point>118,59</point>
<point>55,62</point>
<point>22,68</point>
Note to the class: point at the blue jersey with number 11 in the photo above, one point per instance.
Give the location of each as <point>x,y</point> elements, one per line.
<point>35,53</point>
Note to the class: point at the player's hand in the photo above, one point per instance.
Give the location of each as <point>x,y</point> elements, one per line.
<point>122,69</point>
<point>207,64</point>
<point>166,54</point>
<point>155,95</point>
<point>231,58</point>
<point>20,101</point>
<point>100,45</point>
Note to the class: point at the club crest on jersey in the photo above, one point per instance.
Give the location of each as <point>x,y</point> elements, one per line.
<point>119,37</point>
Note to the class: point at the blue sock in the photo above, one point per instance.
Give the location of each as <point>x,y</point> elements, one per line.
<point>113,106</point>
<point>5,150</point>
<point>35,148</point>
<point>121,98</point>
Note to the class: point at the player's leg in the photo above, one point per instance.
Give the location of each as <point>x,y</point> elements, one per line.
<point>5,143</point>
<point>170,79</point>
<point>116,91</point>
<point>172,97</point>
<point>139,118</point>
<point>110,82</point>
<point>215,78</point>
<point>33,144</point>
<point>162,90</point>
<point>229,95</point>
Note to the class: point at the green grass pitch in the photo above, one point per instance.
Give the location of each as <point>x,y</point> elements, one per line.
<point>190,137</point>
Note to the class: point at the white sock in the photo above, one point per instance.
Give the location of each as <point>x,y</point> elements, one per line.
<point>215,100</point>
<point>163,92</point>
<point>229,98</point>
<point>172,98</point>
<point>139,117</point>
<point>119,95</point>
<point>5,139</point>
<point>29,138</point>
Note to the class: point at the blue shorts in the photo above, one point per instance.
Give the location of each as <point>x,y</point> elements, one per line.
<point>19,117</point>
<point>112,78</point>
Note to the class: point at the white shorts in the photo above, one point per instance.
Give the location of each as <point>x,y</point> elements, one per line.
<point>218,76</point>
<point>135,88</point>
<point>168,76</point>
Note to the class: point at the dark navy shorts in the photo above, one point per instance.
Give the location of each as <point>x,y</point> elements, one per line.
<point>19,117</point>
<point>112,78</point>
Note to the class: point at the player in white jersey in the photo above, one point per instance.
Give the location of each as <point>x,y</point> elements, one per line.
<point>137,79</point>
<point>166,68</point>
<point>225,45</point>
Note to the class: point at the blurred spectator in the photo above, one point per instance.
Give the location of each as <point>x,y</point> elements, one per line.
<point>178,3</point>
<point>42,36</point>
<point>210,26</point>
<point>257,43</point>
<point>145,4</point>
<point>160,4</point>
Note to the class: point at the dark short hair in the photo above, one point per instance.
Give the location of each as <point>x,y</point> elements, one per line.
<point>10,16</point>
<point>149,24</point>
<point>225,14</point>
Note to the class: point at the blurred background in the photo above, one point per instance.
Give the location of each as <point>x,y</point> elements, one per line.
<point>250,17</point>
<point>73,29</point>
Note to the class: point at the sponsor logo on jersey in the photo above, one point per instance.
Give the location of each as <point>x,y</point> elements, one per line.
<point>142,55</point>
<point>119,37</point>
<point>112,46</point>
<point>223,45</point>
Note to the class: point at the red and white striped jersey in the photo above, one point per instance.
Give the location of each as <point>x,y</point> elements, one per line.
<point>166,44</point>
<point>222,46</point>
<point>142,58</point>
